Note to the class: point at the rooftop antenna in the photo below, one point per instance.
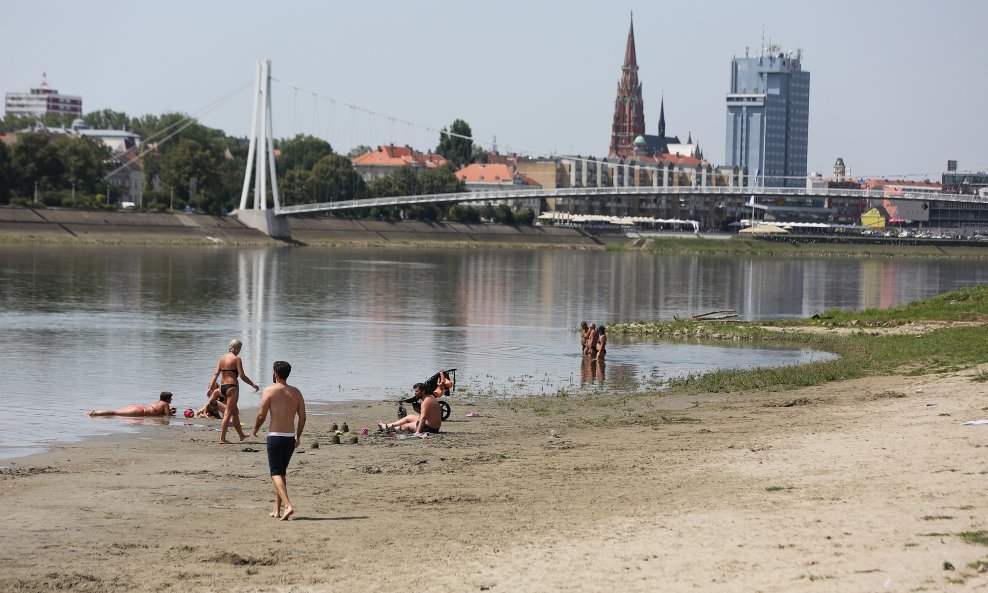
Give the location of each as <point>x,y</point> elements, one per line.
<point>763,41</point>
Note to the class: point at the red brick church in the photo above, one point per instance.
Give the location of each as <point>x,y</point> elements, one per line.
<point>629,114</point>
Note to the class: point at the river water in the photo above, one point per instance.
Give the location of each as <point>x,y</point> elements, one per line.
<point>103,327</point>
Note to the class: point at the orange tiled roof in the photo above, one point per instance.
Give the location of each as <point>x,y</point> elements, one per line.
<point>397,156</point>
<point>490,173</point>
<point>529,181</point>
<point>686,161</point>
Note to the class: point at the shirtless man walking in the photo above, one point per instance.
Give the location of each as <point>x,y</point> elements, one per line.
<point>285,403</point>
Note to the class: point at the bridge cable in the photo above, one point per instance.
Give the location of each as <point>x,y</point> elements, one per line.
<point>536,153</point>
<point>187,121</point>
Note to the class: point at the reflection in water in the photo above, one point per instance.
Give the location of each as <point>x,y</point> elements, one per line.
<point>128,322</point>
<point>252,277</point>
<point>136,421</point>
<point>592,371</point>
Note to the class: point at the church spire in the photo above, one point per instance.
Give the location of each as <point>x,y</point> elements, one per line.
<point>629,113</point>
<point>662,117</point>
<point>630,56</point>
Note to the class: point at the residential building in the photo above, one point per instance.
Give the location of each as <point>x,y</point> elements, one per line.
<point>487,177</point>
<point>482,177</point>
<point>966,182</point>
<point>768,117</point>
<point>387,159</point>
<point>41,101</point>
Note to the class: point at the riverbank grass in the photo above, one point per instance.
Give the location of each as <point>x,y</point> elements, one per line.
<point>865,341</point>
<point>798,247</point>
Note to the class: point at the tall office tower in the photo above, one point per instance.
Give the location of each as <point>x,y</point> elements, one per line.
<point>768,114</point>
<point>629,110</point>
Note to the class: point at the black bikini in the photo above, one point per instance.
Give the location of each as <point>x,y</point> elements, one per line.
<point>228,386</point>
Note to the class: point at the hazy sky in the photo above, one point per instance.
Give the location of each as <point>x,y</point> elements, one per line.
<point>896,88</point>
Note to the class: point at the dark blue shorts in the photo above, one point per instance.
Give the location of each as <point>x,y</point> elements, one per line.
<point>280,451</point>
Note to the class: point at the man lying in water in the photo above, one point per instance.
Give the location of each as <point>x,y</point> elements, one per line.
<point>162,407</point>
<point>431,416</point>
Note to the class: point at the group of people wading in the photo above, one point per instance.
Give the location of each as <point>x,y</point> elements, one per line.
<point>593,340</point>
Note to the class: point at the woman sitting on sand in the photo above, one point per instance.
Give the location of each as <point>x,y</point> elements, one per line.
<point>214,408</point>
<point>162,407</point>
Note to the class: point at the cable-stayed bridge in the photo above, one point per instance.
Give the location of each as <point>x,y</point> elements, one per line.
<point>700,195</point>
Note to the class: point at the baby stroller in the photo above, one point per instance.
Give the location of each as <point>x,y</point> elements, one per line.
<point>431,385</point>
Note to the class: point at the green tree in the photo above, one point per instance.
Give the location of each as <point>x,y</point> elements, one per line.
<point>218,172</point>
<point>295,187</point>
<point>463,213</point>
<point>334,179</point>
<point>16,123</point>
<point>190,165</point>
<point>456,144</point>
<point>6,174</point>
<point>358,150</point>
<point>107,119</point>
<point>525,216</point>
<point>441,180</point>
<point>38,161</point>
<point>383,187</point>
<point>84,161</point>
<point>480,155</point>
<point>430,212</point>
<point>57,120</point>
<point>301,152</point>
<point>169,129</point>
<point>503,215</point>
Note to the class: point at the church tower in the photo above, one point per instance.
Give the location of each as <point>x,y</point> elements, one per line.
<point>629,111</point>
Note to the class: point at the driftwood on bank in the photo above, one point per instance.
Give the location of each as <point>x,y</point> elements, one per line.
<point>715,315</point>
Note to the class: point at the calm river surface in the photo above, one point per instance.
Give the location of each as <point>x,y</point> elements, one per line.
<point>103,327</point>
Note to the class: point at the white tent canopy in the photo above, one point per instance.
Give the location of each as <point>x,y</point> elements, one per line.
<point>567,218</point>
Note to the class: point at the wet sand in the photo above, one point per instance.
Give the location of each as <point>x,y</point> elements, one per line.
<point>853,486</point>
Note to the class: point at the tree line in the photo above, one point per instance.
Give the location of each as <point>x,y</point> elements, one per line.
<point>187,164</point>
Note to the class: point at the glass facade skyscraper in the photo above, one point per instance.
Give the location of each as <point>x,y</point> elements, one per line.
<point>768,114</point>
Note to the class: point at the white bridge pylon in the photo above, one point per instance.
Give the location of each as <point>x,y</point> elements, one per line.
<point>260,159</point>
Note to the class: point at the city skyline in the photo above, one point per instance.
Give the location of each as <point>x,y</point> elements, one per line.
<point>893,90</point>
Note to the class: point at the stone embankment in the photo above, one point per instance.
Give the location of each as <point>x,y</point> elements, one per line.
<point>70,226</point>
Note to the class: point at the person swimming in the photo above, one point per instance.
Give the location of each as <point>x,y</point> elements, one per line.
<point>162,407</point>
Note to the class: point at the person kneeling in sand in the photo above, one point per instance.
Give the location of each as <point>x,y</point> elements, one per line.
<point>162,407</point>
<point>285,403</point>
<point>214,409</point>
<point>431,416</point>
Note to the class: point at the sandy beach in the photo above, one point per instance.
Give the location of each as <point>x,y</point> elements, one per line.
<point>853,486</point>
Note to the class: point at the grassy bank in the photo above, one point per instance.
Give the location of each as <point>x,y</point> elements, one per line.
<point>738,245</point>
<point>940,335</point>
<point>867,342</point>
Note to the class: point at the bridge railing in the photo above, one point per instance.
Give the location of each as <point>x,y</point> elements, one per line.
<point>589,192</point>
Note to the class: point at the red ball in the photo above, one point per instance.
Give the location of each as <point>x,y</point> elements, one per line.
<point>189,413</point>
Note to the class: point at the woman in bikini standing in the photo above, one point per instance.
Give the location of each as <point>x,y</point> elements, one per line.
<point>228,369</point>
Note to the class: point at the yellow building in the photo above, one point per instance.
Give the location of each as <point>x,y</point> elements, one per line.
<point>874,218</point>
